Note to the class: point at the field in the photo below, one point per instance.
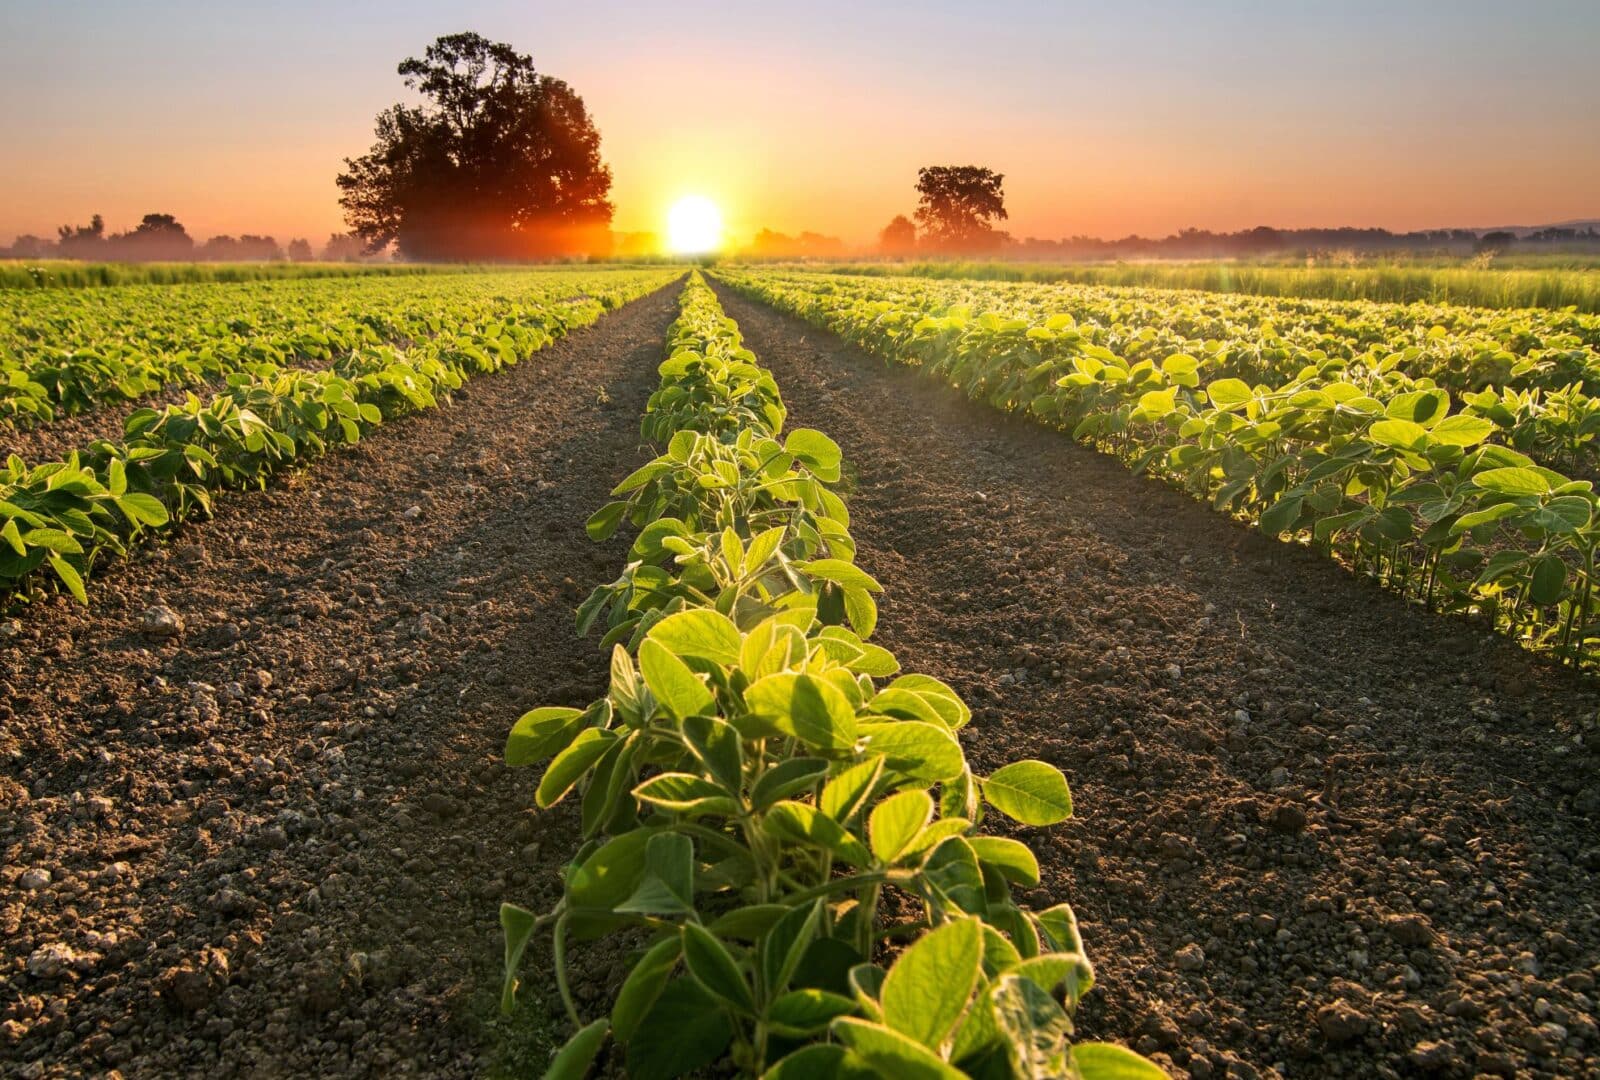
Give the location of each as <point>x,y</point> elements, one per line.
<point>798,672</point>
<point>1547,281</point>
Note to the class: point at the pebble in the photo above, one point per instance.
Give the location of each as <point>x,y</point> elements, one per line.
<point>1190,958</point>
<point>34,879</point>
<point>411,513</point>
<point>160,621</point>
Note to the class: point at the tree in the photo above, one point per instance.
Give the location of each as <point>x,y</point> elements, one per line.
<point>258,248</point>
<point>500,162</point>
<point>342,247</point>
<point>219,248</point>
<point>29,246</point>
<point>299,250</point>
<point>957,205</point>
<point>1496,241</point>
<point>899,237</point>
<point>83,241</point>
<point>157,236</point>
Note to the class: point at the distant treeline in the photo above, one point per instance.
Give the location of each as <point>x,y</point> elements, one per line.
<point>1263,240</point>
<point>162,238</point>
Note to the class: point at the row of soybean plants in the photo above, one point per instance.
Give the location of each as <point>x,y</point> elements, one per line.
<point>759,779</point>
<point>1385,474</point>
<point>1467,333</point>
<point>62,516</point>
<point>67,352</point>
<point>1534,382</point>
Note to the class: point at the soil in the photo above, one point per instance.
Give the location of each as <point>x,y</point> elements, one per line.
<point>56,439</point>
<point>1319,831</point>
<point>275,844</point>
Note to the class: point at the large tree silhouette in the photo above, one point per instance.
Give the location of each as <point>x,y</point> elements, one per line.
<point>500,162</point>
<point>957,204</point>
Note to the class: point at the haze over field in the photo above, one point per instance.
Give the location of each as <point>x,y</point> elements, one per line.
<point>1144,117</point>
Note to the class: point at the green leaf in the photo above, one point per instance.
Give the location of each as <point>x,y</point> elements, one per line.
<point>685,793</point>
<point>847,792</point>
<point>1228,393</point>
<point>927,989</point>
<point>1011,858</point>
<point>891,1054</point>
<point>803,1012</point>
<point>816,451</point>
<point>1107,1061</point>
<point>574,1059</point>
<point>715,742</point>
<point>896,821</point>
<point>1281,515</point>
<point>1512,481</point>
<point>1035,1026</point>
<point>1031,792</point>
<point>12,536</point>
<point>915,749</point>
<point>821,1060</point>
<point>786,778</point>
<point>1462,431</point>
<point>604,521</point>
<point>785,944</point>
<point>1399,433</point>
<point>845,574</point>
<point>714,968</point>
<point>570,765</point>
<point>667,887</point>
<point>143,509</point>
<point>518,925</point>
<point>678,689</point>
<point>540,733</point>
<point>1548,581</point>
<point>805,824</point>
<point>69,577</point>
<point>643,985</point>
<point>682,1032</point>
<point>811,709</point>
<point>700,632</point>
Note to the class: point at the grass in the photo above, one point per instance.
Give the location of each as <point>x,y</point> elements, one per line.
<point>1521,282</point>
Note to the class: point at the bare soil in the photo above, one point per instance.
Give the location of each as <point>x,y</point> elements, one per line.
<point>1320,832</point>
<point>275,844</point>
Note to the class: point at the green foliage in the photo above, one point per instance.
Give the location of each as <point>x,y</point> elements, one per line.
<point>57,518</point>
<point>757,775</point>
<point>1373,451</point>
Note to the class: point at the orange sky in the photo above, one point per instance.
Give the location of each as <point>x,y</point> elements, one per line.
<point>1144,118</point>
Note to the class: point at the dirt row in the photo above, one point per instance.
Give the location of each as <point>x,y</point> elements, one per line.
<point>252,814</point>
<point>1320,832</point>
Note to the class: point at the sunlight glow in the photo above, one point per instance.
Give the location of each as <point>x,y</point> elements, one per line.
<point>694,226</point>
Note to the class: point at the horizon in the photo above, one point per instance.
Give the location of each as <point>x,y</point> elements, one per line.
<point>235,124</point>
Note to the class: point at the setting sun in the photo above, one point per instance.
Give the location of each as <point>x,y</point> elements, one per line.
<point>694,226</point>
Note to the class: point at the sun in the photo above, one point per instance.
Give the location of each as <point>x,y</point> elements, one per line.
<point>694,226</point>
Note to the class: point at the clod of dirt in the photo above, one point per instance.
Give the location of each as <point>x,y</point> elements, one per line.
<point>1340,1023</point>
<point>196,983</point>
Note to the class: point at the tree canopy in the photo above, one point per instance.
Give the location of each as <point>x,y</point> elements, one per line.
<point>958,204</point>
<point>499,162</point>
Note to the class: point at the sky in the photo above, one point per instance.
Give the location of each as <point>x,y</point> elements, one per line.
<point>1105,118</point>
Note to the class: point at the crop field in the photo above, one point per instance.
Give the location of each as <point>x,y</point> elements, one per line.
<point>1538,281</point>
<point>794,673</point>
